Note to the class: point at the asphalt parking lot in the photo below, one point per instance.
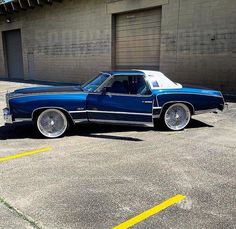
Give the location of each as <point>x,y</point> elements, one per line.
<point>100,176</point>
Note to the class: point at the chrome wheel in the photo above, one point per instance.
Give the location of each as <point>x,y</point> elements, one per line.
<point>52,123</point>
<point>177,116</point>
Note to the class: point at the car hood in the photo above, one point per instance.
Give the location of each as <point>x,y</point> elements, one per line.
<point>48,89</point>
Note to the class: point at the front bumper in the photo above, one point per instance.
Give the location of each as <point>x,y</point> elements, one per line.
<point>7,116</point>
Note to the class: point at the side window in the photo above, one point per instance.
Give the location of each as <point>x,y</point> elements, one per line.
<point>133,85</point>
<point>155,83</point>
<point>141,87</point>
<point>118,85</point>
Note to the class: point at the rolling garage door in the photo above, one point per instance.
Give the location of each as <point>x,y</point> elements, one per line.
<point>138,39</point>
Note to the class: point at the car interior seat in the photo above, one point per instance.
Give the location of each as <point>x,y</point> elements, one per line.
<point>118,87</point>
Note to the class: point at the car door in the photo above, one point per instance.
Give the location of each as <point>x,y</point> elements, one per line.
<point>127,99</point>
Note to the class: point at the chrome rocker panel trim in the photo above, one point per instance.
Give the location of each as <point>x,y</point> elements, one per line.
<point>22,120</point>
<point>116,122</point>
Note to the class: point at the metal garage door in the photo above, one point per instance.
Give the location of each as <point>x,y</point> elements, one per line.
<point>13,54</point>
<point>138,39</point>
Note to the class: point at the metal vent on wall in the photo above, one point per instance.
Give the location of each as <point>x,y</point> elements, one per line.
<point>11,6</point>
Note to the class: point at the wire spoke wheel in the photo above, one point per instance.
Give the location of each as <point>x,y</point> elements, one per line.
<point>177,116</point>
<point>52,123</point>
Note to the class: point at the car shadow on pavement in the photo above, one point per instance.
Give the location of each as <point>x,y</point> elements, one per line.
<point>27,130</point>
<point>197,124</point>
<point>102,131</point>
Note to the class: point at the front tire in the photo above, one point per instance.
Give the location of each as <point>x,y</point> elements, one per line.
<point>52,123</point>
<point>177,116</point>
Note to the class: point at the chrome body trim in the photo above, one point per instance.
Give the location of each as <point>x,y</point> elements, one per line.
<point>60,108</point>
<point>98,90</point>
<point>109,112</point>
<point>147,102</point>
<point>109,76</point>
<point>116,122</point>
<point>118,112</point>
<point>117,94</point>
<point>76,112</point>
<point>76,121</point>
<point>22,120</point>
<point>177,102</point>
<point>7,116</point>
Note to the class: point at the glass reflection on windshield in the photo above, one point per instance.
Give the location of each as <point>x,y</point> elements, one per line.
<point>96,82</point>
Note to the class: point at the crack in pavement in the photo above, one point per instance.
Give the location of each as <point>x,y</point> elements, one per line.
<point>20,214</point>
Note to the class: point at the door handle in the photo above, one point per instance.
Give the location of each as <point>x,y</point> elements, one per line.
<point>147,102</point>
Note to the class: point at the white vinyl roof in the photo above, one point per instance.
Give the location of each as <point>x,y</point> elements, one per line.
<point>158,80</point>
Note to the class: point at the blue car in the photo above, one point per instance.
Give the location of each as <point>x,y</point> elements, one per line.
<point>118,97</point>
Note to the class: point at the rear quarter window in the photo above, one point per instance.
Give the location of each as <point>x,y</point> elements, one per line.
<point>155,83</point>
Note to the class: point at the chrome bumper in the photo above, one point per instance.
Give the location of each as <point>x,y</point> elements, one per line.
<point>7,116</point>
<point>226,106</point>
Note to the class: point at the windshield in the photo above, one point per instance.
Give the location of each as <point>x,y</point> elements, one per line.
<point>96,82</point>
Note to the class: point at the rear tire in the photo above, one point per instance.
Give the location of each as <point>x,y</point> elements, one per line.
<point>176,117</point>
<point>52,123</point>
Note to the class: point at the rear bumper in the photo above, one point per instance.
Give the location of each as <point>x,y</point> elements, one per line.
<point>221,107</point>
<point>7,116</point>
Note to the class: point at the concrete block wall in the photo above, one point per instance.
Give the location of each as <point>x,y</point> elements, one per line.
<point>67,41</point>
<point>71,41</point>
<point>199,42</point>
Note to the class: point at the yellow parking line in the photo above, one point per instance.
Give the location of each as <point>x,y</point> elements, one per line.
<point>139,218</point>
<point>7,158</point>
